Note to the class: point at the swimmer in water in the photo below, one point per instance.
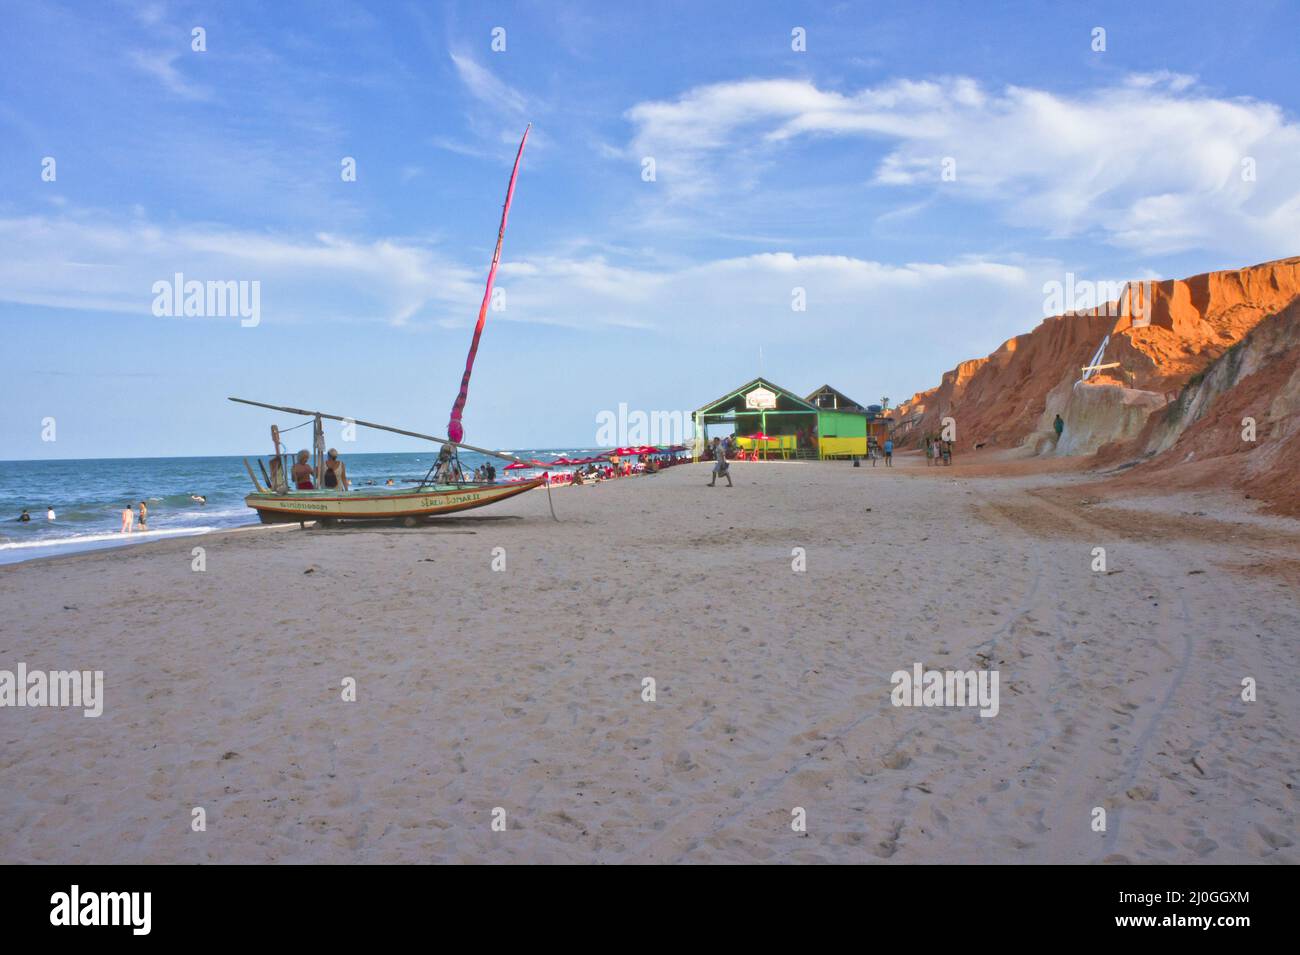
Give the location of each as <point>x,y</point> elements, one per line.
<point>198,499</point>
<point>49,513</point>
<point>24,517</point>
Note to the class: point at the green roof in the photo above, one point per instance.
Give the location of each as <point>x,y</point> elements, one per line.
<point>749,386</point>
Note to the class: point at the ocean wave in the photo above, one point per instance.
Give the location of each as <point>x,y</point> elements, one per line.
<point>74,540</point>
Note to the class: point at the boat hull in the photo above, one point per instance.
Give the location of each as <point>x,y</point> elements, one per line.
<point>298,506</point>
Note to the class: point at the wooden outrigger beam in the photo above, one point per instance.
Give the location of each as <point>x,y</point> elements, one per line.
<point>380,427</point>
<point>1113,364</point>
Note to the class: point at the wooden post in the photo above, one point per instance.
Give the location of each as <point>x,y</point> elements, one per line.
<point>318,449</point>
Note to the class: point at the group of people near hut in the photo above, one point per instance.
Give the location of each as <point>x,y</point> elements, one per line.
<point>937,450</point>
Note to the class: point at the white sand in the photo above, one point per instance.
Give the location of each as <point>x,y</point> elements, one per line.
<point>522,689</point>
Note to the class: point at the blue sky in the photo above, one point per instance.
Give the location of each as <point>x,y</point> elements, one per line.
<point>774,169</point>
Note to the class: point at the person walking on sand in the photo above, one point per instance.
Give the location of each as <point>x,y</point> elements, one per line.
<point>1058,426</point>
<point>889,452</point>
<point>721,467</point>
<point>128,519</point>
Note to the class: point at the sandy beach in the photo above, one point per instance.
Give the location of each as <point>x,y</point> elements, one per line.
<point>521,688</point>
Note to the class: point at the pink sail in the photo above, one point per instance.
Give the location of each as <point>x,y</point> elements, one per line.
<point>455,430</point>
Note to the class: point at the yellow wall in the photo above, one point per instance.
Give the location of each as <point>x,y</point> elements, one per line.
<point>832,447</point>
<point>775,443</point>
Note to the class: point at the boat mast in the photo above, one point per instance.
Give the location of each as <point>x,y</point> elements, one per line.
<point>454,427</point>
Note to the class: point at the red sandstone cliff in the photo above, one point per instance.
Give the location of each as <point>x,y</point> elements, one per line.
<point>1236,424</point>
<point>1012,396</point>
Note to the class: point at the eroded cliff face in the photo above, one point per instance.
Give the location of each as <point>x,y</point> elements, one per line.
<point>1237,424</point>
<point>1012,396</point>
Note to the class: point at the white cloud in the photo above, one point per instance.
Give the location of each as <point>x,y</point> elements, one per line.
<point>725,301</point>
<point>88,263</point>
<point>484,86</point>
<point>1150,164</point>
<point>162,67</point>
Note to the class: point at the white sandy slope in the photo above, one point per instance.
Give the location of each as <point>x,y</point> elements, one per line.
<point>521,689</point>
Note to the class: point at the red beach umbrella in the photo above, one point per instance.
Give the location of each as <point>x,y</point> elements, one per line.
<point>760,436</point>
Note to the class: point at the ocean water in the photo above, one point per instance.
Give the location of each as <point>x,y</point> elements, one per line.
<point>88,495</point>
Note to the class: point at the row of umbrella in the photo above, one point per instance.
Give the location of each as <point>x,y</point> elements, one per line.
<point>598,459</point>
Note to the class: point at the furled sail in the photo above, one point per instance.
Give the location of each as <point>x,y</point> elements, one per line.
<point>455,430</point>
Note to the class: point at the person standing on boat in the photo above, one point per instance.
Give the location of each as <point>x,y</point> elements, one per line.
<point>276,475</point>
<point>442,475</point>
<point>336,472</point>
<point>302,472</point>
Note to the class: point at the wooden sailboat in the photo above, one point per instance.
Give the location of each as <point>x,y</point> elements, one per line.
<point>277,502</point>
<point>405,505</point>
